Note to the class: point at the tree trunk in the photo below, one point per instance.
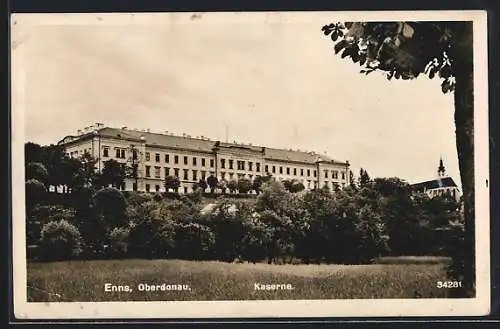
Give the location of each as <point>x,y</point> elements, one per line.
<point>464,258</point>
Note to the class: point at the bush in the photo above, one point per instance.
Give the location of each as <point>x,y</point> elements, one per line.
<point>110,203</point>
<point>151,238</point>
<point>59,240</point>
<point>35,193</point>
<point>193,241</point>
<point>41,215</point>
<point>118,242</point>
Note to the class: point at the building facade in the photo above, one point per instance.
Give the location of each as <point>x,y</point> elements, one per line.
<point>441,186</point>
<point>157,156</point>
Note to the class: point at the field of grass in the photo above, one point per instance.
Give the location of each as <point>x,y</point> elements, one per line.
<point>211,280</point>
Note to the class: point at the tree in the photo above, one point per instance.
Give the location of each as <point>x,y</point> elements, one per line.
<point>407,49</point>
<point>33,153</point>
<point>212,181</point>
<point>202,184</point>
<point>111,205</point>
<point>113,173</point>
<point>132,167</point>
<point>364,178</point>
<point>36,170</point>
<point>232,185</point>
<point>35,193</point>
<point>352,180</point>
<point>172,182</point>
<point>293,185</point>
<point>222,186</point>
<point>244,185</point>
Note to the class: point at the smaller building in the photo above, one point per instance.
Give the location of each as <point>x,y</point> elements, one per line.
<point>441,186</point>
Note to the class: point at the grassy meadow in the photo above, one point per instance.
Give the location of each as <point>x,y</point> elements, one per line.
<point>83,281</point>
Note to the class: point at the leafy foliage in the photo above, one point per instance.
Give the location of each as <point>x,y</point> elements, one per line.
<point>212,182</point>
<point>59,240</point>
<point>113,173</point>
<point>172,183</point>
<point>244,185</point>
<point>37,171</point>
<point>110,203</point>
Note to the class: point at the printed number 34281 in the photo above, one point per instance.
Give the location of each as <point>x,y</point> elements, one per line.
<point>449,284</point>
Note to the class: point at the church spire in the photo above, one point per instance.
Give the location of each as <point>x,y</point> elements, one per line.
<point>441,169</point>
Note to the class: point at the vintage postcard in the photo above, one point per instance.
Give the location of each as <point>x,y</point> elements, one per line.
<point>250,165</point>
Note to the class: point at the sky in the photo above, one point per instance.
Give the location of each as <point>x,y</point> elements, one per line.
<point>269,79</point>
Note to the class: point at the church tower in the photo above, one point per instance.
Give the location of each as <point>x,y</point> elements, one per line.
<point>441,169</point>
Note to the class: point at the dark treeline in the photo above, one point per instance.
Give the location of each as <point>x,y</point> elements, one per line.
<point>367,219</point>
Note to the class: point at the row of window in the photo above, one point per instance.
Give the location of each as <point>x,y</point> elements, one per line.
<point>240,164</point>
<point>443,192</point>
<point>176,172</point>
<point>157,188</point>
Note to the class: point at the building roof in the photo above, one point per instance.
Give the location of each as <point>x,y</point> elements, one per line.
<point>436,183</point>
<point>204,145</point>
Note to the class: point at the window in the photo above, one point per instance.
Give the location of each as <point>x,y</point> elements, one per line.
<point>167,171</point>
<point>257,167</point>
<point>185,189</point>
<point>186,174</point>
<point>157,172</point>
<point>250,166</point>
<point>231,175</point>
<point>157,157</point>
<point>295,171</point>
<point>194,161</point>
<point>266,168</point>
<point>203,162</point>
<point>326,173</point>
<point>203,174</point>
<point>222,175</point>
<point>211,163</point>
<point>105,152</point>
<point>231,163</point>
<point>223,163</point>
<point>147,187</point>
<point>288,170</point>
<point>301,172</point>
<point>176,159</point>
<point>308,172</point>
<point>335,174</point>
<point>167,158</point>
<point>195,175</point>
<point>117,153</point>
<point>212,173</point>
<point>343,175</point>
<point>176,172</point>
<point>134,154</point>
<point>250,177</point>
<point>148,171</point>
<point>134,186</point>
<point>274,169</point>
<point>147,156</point>
<point>185,160</point>
<point>281,169</point>
<point>122,152</point>
<point>157,188</point>
<point>314,172</point>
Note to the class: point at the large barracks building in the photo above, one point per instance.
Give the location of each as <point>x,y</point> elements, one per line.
<point>158,155</point>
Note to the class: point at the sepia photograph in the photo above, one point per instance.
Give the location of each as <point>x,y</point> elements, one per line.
<point>250,164</point>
